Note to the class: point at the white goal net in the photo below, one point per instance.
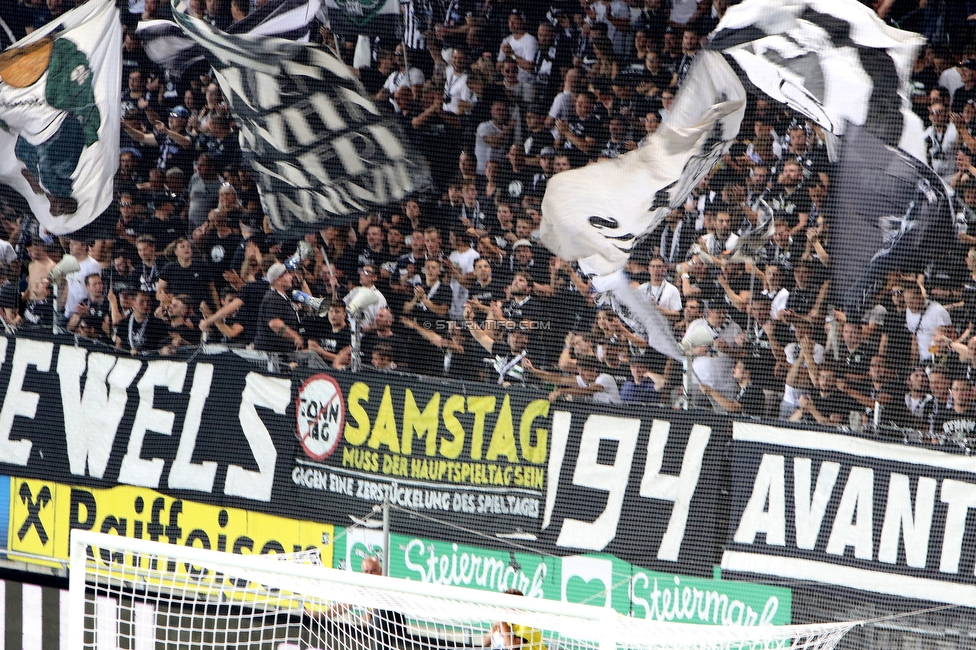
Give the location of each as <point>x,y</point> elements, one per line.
<point>128,594</point>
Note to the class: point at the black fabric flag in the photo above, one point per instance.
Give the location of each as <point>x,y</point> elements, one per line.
<point>166,44</point>
<point>321,150</point>
<point>892,213</point>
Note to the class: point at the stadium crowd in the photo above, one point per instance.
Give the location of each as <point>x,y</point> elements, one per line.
<point>500,96</point>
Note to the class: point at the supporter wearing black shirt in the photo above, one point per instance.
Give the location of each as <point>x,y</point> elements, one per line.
<point>789,198</point>
<point>372,251</point>
<point>431,299</point>
<point>186,275</point>
<point>164,226</point>
<point>959,422</point>
<point>182,328</point>
<point>218,243</point>
<point>251,295</point>
<point>141,331</point>
<point>584,131</point>
<point>830,405</point>
<point>279,326</point>
<point>383,332</point>
<point>486,288</point>
<point>94,305</point>
<point>749,400</point>
<point>38,310</point>
<point>330,337</point>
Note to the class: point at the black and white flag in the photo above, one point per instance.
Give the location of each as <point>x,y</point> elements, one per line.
<point>166,44</point>
<point>833,61</point>
<point>320,148</point>
<point>839,65</point>
<point>595,214</point>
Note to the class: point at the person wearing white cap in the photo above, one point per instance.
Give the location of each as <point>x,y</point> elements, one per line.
<point>279,322</point>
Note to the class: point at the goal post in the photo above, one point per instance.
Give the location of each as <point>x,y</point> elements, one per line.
<point>132,594</point>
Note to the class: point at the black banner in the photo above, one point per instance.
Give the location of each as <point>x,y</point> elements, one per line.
<point>457,461</point>
<point>853,512</point>
<point>473,463</point>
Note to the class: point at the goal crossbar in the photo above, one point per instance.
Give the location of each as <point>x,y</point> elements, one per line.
<point>129,570</point>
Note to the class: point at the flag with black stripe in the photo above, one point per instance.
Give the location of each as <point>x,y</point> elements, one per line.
<point>166,44</point>
<point>840,66</point>
<point>320,149</point>
<point>833,61</point>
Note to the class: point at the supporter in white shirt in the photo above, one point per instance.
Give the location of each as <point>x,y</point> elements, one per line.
<point>456,91</point>
<point>462,262</point>
<point>923,318</point>
<point>661,292</point>
<point>713,363</point>
<point>520,45</point>
<point>403,76</point>
<point>76,291</point>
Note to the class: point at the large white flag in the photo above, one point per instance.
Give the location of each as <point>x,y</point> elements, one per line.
<point>596,213</point>
<point>60,96</point>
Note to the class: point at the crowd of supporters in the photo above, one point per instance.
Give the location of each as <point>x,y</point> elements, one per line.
<point>500,96</point>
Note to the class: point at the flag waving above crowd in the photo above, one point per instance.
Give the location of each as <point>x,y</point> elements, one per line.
<point>836,64</point>
<point>320,148</point>
<point>166,44</point>
<point>59,116</point>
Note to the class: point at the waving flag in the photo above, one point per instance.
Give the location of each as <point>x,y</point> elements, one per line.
<point>59,116</point>
<point>321,149</point>
<point>835,62</point>
<point>166,44</point>
<point>595,214</point>
<point>362,12</point>
<point>840,66</point>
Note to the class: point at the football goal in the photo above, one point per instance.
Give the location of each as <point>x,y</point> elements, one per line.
<point>130,594</point>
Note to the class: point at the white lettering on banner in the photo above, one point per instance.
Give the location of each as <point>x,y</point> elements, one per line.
<point>18,402</point>
<point>93,415</point>
<point>420,498</point>
<point>898,543</point>
<point>470,569</point>
<point>854,523</point>
<point>614,478</point>
<point>960,497</point>
<point>810,511</point>
<point>268,392</point>
<point>769,487</point>
<point>185,474</point>
<point>136,470</point>
<point>695,605</point>
<point>899,520</point>
<point>677,489</point>
<point>92,418</point>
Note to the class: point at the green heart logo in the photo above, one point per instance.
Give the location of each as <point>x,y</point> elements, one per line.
<point>361,551</point>
<point>589,592</point>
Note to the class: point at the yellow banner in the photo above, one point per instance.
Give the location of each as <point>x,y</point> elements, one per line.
<point>43,513</point>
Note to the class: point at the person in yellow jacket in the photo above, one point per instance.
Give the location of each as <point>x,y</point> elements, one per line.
<point>513,636</point>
